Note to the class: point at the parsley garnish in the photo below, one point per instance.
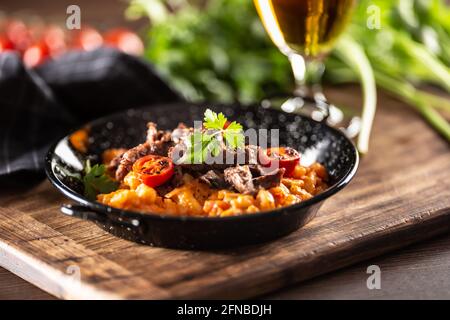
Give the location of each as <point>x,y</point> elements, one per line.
<point>214,120</point>
<point>220,134</point>
<point>97,181</point>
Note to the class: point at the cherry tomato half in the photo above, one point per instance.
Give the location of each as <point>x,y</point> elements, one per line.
<point>154,170</point>
<point>87,38</point>
<point>19,35</point>
<point>124,40</point>
<point>54,38</point>
<point>5,44</point>
<point>35,55</point>
<point>284,157</point>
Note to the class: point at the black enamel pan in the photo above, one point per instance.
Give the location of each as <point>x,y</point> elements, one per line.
<point>316,141</point>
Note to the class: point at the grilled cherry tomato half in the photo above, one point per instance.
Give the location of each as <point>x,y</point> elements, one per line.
<point>284,157</point>
<point>154,170</point>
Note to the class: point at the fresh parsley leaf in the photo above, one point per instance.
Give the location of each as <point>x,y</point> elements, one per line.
<point>212,148</point>
<point>214,121</point>
<point>235,126</point>
<point>196,144</point>
<point>201,145</point>
<point>234,136</point>
<point>96,181</point>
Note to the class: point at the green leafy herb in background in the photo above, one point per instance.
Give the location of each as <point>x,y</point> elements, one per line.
<point>410,48</point>
<point>96,181</point>
<point>219,52</point>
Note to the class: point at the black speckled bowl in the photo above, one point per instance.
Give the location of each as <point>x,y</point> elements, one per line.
<point>316,141</point>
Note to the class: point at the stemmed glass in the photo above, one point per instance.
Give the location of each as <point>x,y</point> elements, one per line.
<point>305,31</point>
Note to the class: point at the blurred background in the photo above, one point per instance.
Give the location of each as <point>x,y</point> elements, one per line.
<point>218,50</point>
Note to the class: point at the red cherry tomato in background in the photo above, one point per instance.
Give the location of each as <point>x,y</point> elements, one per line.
<point>36,29</point>
<point>124,40</point>
<point>284,157</point>
<point>37,41</point>
<point>18,34</point>
<point>54,38</point>
<point>87,38</point>
<point>5,44</point>
<point>154,170</point>
<point>35,55</point>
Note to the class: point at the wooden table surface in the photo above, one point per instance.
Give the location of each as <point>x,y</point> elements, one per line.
<point>419,271</point>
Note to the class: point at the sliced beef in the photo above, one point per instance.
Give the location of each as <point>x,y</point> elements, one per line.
<point>174,182</point>
<point>259,170</point>
<point>114,163</point>
<point>177,178</point>
<point>269,180</point>
<point>130,157</point>
<point>152,132</point>
<point>158,142</point>
<point>214,179</point>
<point>180,133</point>
<point>250,155</point>
<point>241,179</point>
<point>203,168</point>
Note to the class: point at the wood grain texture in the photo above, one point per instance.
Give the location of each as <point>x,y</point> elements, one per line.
<point>401,195</point>
<point>14,288</point>
<point>419,271</point>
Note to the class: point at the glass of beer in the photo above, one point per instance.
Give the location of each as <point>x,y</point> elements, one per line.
<point>304,31</point>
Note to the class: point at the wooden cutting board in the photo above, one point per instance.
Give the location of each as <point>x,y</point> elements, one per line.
<point>400,195</point>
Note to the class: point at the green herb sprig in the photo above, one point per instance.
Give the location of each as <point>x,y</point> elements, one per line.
<point>219,134</point>
<point>96,181</point>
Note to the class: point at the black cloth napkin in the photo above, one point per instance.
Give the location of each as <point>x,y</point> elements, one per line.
<point>39,105</point>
